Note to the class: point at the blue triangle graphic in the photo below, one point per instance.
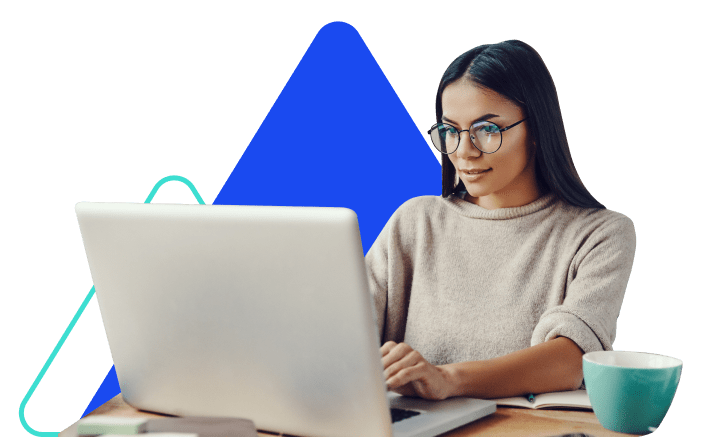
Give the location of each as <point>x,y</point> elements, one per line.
<point>338,135</point>
<point>108,390</point>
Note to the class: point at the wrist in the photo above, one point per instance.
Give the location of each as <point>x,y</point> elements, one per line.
<point>451,377</point>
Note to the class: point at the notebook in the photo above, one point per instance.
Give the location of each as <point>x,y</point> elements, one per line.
<point>254,312</point>
<point>574,399</point>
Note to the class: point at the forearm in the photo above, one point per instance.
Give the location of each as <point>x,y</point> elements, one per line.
<point>555,365</point>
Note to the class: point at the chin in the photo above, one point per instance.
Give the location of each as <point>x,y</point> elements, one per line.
<point>477,196</point>
<point>475,191</point>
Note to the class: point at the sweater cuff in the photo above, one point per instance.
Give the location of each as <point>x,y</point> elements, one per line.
<point>561,324</point>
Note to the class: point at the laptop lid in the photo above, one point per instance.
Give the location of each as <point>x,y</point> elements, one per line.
<point>244,311</point>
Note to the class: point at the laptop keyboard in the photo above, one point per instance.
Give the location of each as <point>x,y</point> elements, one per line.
<point>399,414</point>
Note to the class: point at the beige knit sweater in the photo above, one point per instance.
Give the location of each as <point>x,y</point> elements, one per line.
<point>460,283</point>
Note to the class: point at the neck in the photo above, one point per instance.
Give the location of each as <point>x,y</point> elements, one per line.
<point>505,199</point>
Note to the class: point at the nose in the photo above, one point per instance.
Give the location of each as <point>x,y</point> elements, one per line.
<point>466,149</point>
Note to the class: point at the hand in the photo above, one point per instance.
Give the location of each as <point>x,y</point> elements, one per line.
<point>409,374</point>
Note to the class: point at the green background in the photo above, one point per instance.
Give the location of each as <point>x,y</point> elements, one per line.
<point>100,100</point>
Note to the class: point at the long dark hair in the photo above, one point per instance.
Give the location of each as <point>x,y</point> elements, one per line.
<point>516,71</point>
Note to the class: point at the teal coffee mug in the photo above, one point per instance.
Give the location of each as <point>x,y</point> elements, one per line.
<point>630,392</point>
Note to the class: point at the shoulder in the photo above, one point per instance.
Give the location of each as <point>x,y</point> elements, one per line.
<point>415,215</point>
<point>594,219</point>
<point>597,226</point>
<point>419,207</point>
<point>421,203</point>
<point>410,219</point>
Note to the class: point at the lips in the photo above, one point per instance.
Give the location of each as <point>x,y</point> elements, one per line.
<point>475,171</point>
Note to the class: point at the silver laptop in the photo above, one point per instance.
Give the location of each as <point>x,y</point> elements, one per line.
<point>249,311</point>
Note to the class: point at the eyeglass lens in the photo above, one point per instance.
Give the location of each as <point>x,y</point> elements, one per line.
<point>485,135</point>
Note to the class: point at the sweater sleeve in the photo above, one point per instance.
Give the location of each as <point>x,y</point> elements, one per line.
<point>377,261</point>
<point>595,288</point>
<point>390,272</point>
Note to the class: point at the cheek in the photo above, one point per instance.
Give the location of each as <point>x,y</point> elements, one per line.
<point>513,161</point>
<point>453,161</point>
<point>513,164</point>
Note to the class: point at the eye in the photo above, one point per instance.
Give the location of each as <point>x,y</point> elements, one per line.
<point>446,130</point>
<point>489,129</point>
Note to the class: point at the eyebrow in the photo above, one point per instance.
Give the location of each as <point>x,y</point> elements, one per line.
<point>481,118</point>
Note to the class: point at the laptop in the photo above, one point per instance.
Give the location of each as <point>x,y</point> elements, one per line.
<point>258,312</point>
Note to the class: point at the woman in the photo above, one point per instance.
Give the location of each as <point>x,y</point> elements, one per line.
<point>499,286</point>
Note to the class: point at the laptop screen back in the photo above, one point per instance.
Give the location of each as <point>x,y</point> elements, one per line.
<point>244,311</point>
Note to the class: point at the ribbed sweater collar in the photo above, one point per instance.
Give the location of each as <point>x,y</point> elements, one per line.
<point>474,211</point>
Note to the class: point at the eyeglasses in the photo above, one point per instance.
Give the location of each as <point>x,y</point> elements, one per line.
<point>484,135</point>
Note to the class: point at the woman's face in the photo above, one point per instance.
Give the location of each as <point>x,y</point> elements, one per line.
<point>502,179</point>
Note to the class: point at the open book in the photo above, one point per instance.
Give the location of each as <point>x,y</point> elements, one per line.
<point>556,400</point>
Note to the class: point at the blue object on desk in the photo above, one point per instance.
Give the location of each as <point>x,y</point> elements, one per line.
<point>530,397</point>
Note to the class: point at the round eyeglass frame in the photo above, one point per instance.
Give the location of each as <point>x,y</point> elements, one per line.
<point>471,137</point>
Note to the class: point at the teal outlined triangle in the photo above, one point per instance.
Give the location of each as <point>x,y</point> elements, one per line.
<point>108,385</point>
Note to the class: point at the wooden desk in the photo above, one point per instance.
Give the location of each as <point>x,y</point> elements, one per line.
<point>509,422</point>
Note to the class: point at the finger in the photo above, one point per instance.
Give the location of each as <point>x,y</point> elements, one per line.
<point>387,347</point>
<point>407,375</point>
<point>408,360</point>
<point>397,353</point>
